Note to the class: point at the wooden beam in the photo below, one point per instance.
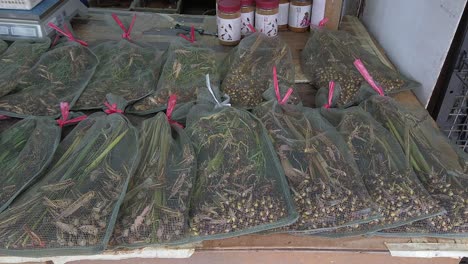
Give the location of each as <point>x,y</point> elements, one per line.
<point>428,250</point>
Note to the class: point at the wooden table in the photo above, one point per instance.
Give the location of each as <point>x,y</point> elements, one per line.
<point>157,29</point>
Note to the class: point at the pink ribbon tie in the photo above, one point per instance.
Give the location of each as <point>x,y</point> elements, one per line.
<point>67,33</point>
<point>331,91</point>
<point>285,99</point>
<point>127,32</point>
<point>65,109</point>
<point>3,117</point>
<point>366,75</point>
<point>56,39</point>
<point>170,108</point>
<point>323,22</point>
<point>252,29</point>
<point>192,35</point>
<point>112,109</point>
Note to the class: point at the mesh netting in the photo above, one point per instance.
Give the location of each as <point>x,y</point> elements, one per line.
<point>17,60</point>
<point>247,70</point>
<point>240,187</point>
<point>156,206</point>
<point>439,165</point>
<point>26,149</point>
<point>59,76</point>
<point>323,179</point>
<point>183,75</point>
<point>387,176</point>
<point>330,55</point>
<point>73,208</point>
<point>7,122</point>
<point>125,69</point>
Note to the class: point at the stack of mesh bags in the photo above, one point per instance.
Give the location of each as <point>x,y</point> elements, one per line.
<point>323,178</point>
<point>240,187</point>
<point>126,68</point>
<point>17,60</point>
<point>26,149</point>
<point>183,75</point>
<point>60,75</point>
<point>440,166</point>
<point>386,174</point>
<point>331,55</point>
<point>246,71</point>
<point>156,207</point>
<point>73,207</point>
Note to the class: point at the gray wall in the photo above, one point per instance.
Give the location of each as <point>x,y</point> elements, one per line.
<point>416,34</point>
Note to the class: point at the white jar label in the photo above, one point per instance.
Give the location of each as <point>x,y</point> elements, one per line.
<point>229,30</point>
<point>318,12</point>
<point>247,18</point>
<point>283,14</point>
<point>267,24</point>
<point>299,16</point>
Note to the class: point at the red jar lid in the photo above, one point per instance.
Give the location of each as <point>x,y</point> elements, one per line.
<point>247,2</point>
<point>229,6</point>
<point>267,4</point>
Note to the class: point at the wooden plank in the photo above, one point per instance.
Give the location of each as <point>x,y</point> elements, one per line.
<point>291,242</point>
<point>428,250</point>
<point>143,253</point>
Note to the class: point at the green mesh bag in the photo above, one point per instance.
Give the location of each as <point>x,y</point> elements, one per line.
<point>156,206</point>
<point>17,60</point>
<point>7,122</point>
<point>73,208</point>
<point>440,166</point>
<point>26,149</point>
<point>387,176</point>
<point>246,71</point>
<point>60,75</point>
<point>323,179</point>
<point>183,75</point>
<point>125,69</point>
<point>240,187</point>
<point>331,56</point>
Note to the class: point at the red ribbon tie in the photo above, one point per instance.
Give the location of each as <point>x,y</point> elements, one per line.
<point>323,22</point>
<point>67,33</point>
<point>366,75</point>
<point>192,35</point>
<point>170,108</point>
<point>112,109</point>
<point>283,100</point>
<point>252,29</point>
<point>65,109</point>
<point>331,91</point>
<point>127,32</point>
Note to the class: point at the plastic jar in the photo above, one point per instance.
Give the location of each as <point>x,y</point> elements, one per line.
<point>247,16</point>
<point>299,15</point>
<point>266,17</point>
<point>229,22</point>
<point>283,15</point>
